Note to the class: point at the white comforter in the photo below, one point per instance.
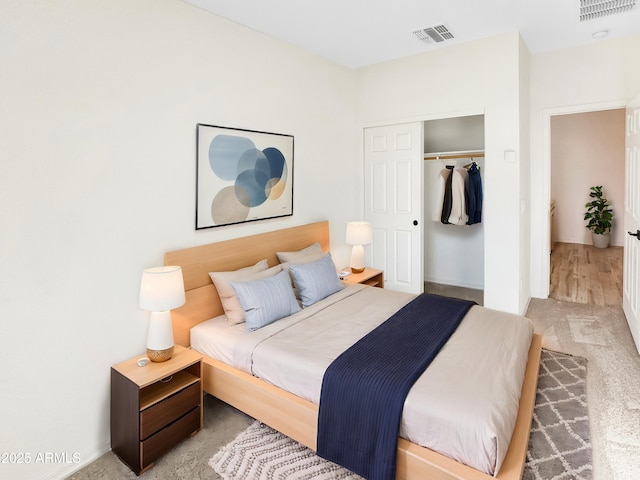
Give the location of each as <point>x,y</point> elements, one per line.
<point>465,404</point>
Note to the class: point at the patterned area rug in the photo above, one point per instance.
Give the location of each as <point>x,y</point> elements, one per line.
<point>559,443</point>
<point>559,446</point>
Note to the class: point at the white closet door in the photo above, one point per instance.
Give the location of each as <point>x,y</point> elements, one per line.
<point>631,276</point>
<point>394,203</point>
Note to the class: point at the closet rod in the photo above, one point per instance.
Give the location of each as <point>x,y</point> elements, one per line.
<point>453,155</point>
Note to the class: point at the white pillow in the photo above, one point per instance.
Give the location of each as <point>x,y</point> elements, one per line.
<point>315,281</point>
<point>227,294</point>
<point>267,300</point>
<point>309,254</point>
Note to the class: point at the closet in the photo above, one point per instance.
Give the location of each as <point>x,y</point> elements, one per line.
<point>453,254</point>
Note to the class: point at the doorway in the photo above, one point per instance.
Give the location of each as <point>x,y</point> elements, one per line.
<point>394,164</point>
<point>586,149</point>
<point>453,253</point>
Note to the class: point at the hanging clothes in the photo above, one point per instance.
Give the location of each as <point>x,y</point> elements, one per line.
<point>458,214</point>
<point>459,196</point>
<point>448,196</point>
<point>474,195</point>
<point>442,182</point>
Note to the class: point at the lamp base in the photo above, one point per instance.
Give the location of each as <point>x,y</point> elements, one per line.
<point>357,259</point>
<point>160,355</point>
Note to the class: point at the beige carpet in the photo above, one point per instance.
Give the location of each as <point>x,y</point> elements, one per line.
<point>187,461</point>
<point>600,334</point>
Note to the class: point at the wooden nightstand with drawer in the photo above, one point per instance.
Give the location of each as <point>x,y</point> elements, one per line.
<point>154,407</point>
<point>371,276</point>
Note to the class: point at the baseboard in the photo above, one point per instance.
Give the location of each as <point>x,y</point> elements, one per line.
<point>454,283</point>
<point>588,244</point>
<point>61,471</point>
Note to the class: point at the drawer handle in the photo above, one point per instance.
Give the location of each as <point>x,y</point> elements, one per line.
<point>167,379</point>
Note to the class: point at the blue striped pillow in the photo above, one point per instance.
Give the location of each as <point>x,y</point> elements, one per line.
<point>266,300</point>
<point>315,280</point>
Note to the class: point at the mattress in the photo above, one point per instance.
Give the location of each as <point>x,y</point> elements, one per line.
<point>465,404</point>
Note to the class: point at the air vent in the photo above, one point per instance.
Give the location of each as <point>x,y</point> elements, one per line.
<point>435,34</point>
<point>592,9</point>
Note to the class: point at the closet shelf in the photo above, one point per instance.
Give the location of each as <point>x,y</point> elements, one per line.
<point>454,155</point>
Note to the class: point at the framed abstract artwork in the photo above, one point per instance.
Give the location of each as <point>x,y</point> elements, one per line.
<point>242,175</point>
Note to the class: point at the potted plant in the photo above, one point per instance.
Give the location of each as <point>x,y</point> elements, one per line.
<point>599,215</point>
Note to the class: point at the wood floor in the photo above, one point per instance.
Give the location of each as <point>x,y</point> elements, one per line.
<point>585,274</point>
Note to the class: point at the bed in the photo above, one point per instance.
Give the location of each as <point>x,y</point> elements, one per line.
<point>267,403</point>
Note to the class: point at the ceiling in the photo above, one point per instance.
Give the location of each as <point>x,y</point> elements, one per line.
<point>356,33</point>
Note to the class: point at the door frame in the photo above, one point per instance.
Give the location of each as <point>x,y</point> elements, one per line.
<point>631,289</point>
<point>417,118</point>
<point>540,259</point>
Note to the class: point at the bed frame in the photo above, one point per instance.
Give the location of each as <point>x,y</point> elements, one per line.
<point>293,416</point>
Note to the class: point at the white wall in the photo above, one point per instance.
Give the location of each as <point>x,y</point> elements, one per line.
<point>481,77</point>
<point>600,76</point>
<point>97,180</point>
<point>454,134</point>
<point>587,149</point>
<point>524,240</point>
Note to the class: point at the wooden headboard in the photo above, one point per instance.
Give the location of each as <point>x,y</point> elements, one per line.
<point>202,301</point>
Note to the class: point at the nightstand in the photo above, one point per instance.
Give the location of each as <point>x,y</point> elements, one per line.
<point>154,407</point>
<point>371,276</point>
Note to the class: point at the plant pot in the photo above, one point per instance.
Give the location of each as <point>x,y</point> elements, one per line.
<point>600,240</point>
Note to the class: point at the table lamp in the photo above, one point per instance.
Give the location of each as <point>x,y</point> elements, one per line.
<point>161,289</point>
<point>358,234</point>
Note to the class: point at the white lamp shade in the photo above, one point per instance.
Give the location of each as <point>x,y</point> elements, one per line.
<point>161,288</point>
<point>359,233</point>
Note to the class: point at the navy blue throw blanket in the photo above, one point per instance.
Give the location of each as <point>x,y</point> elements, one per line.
<point>364,389</point>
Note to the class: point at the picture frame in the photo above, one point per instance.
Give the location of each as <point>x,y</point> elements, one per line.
<point>242,175</point>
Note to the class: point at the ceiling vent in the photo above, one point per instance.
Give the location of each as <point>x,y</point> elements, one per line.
<point>591,9</point>
<point>435,34</point>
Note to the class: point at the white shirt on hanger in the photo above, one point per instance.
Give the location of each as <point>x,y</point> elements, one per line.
<point>458,214</point>
<point>442,182</point>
